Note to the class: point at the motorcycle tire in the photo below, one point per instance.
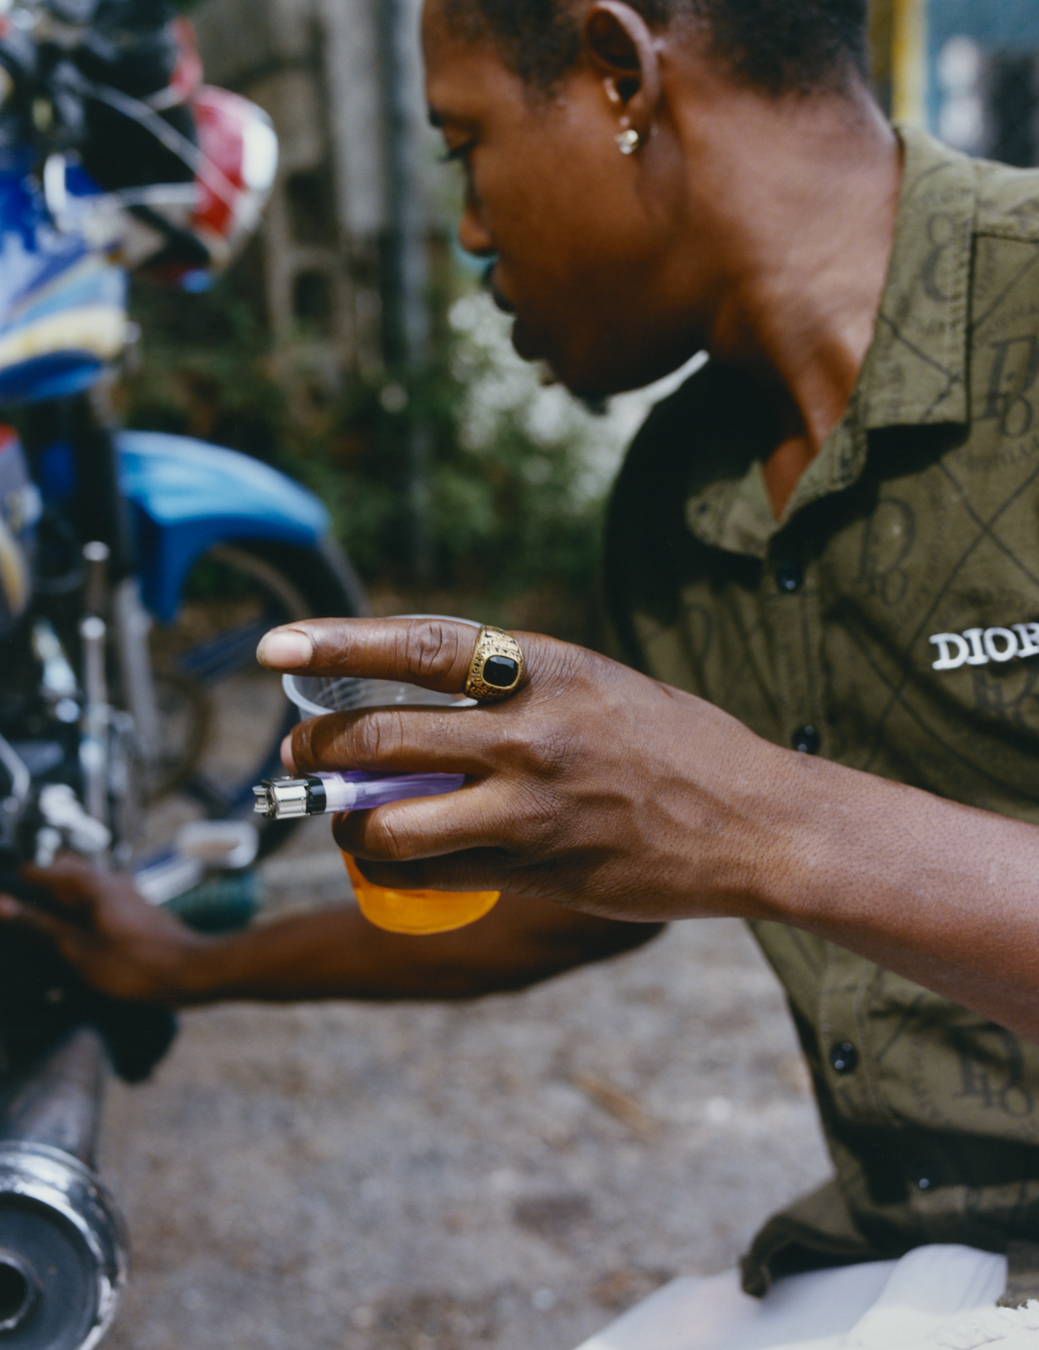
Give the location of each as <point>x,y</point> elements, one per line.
<point>223,717</point>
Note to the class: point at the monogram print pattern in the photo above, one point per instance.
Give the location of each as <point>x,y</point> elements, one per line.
<point>893,612</point>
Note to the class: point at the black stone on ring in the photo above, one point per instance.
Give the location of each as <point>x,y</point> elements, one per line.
<point>501,671</point>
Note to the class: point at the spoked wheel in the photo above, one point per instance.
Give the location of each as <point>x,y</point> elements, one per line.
<point>222,716</point>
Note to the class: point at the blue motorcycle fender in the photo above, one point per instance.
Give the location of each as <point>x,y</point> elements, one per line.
<point>188,496</point>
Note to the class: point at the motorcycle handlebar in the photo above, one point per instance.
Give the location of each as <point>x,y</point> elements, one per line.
<point>63,1249</point>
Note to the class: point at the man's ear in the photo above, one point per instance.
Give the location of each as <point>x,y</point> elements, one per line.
<point>619,47</point>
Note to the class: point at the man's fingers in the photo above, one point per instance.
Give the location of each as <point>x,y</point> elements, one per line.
<point>477,870</point>
<point>476,817</point>
<point>397,740</point>
<point>70,881</point>
<point>285,649</point>
<point>9,907</point>
<point>433,653</point>
<point>13,911</point>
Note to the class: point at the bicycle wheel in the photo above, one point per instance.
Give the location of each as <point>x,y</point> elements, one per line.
<point>222,717</point>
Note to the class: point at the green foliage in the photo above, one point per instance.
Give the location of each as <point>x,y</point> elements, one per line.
<point>203,370</point>
<point>508,506</point>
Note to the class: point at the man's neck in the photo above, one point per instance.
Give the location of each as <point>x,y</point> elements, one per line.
<point>805,236</point>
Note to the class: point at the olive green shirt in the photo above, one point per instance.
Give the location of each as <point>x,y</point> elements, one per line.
<point>889,620</point>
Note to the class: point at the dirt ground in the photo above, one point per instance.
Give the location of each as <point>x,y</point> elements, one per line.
<point>509,1173</point>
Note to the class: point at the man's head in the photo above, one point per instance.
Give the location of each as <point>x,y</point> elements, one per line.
<point>629,173</point>
<point>778,46</point>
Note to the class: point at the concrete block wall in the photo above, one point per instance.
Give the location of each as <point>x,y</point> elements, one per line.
<point>318,68</point>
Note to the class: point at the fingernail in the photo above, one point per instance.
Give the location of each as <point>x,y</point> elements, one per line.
<point>286,755</point>
<point>284,648</point>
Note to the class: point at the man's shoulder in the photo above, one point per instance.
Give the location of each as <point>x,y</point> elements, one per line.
<point>995,199</point>
<point>1007,201</point>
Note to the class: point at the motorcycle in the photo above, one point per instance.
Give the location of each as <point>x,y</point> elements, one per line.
<point>137,572</point>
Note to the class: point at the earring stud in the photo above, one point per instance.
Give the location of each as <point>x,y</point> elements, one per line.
<point>628,141</point>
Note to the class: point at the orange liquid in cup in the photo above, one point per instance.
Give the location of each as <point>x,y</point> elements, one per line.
<point>418,911</point>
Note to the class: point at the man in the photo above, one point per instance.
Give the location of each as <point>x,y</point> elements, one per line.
<point>830,534</point>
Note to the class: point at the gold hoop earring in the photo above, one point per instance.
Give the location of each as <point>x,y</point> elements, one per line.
<point>628,141</point>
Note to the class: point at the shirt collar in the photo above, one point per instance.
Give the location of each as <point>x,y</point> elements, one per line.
<point>915,369</point>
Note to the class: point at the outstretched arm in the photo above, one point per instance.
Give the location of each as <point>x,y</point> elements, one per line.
<point>600,789</point>
<point>127,948</point>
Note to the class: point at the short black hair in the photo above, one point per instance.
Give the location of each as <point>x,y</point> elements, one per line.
<point>778,46</point>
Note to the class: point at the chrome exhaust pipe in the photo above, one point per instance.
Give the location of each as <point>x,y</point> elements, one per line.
<point>63,1249</point>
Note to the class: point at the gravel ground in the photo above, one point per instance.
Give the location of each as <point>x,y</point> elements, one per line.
<point>509,1173</point>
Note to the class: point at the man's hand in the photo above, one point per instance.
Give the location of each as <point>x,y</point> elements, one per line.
<point>591,786</point>
<point>108,932</point>
<point>597,788</point>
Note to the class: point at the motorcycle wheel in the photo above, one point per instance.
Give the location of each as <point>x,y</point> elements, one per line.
<point>222,717</point>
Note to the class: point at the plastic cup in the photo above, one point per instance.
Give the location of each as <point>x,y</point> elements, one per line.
<point>417,912</point>
<point>397,911</point>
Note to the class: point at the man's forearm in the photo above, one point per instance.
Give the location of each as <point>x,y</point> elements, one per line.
<point>336,953</point>
<point>941,893</point>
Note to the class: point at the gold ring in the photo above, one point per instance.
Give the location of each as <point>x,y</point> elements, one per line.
<point>496,668</point>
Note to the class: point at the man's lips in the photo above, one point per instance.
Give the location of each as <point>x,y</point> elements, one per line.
<point>524,343</point>
<point>521,337</point>
<point>490,284</point>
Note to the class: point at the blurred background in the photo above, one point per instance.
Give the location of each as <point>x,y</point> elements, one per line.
<point>351,344</point>
<point>513,1173</point>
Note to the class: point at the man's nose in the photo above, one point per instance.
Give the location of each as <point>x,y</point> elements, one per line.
<point>473,235</point>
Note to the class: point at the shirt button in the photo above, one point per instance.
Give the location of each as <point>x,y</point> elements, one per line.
<point>789,576</point>
<point>844,1057</point>
<point>925,1173</point>
<point>807,740</point>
